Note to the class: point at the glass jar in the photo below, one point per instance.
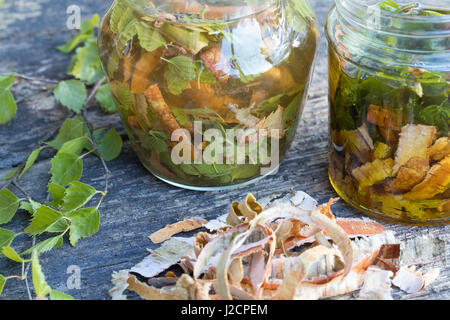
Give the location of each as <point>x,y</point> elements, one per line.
<point>389,84</point>
<point>210,91</point>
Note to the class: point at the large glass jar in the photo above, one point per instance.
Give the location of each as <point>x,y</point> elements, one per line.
<point>210,91</point>
<point>389,84</point>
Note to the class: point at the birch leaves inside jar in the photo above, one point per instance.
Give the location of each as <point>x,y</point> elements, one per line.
<point>389,75</point>
<point>181,70</point>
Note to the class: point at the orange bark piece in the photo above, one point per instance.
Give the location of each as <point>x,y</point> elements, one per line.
<point>211,60</point>
<point>409,175</point>
<point>142,71</point>
<point>436,181</point>
<point>440,149</point>
<point>415,139</point>
<point>172,229</point>
<point>383,118</point>
<point>159,106</point>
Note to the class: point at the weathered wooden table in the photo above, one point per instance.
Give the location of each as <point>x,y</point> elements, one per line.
<point>138,203</point>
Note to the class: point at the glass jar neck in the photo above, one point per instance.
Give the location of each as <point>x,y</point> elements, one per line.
<point>224,10</point>
<point>364,29</point>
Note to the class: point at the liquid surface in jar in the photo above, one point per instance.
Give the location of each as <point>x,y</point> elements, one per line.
<point>170,71</point>
<point>390,145</point>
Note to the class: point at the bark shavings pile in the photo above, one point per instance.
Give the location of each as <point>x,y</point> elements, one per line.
<point>289,248</point>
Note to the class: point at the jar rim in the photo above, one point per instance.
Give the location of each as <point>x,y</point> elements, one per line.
<point>149,8</point>
<point>368,5</point>
<point>369,16</point>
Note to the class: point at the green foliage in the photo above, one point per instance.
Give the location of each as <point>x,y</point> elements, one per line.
<point>46,245</point>
<point>57,192</point>
<point>42,220</point>
<point>149,38</point>
<point>58,295</point>
<point>2,280</point>
<point>65,215</point>
<point>11,254</point>
<point>110,145</point>
<point>9,204</point>
<point>86,33</point>
<point>71,94</point>
<point>84,222</point>
<point>71,129</point>
<point>76,196</point>
<point>179,72</point>
<point>9,175</point>
<point>6,237</point>
<point>41,287</point>
<point>8,107</point>
<point>30,160</point>
<point>66,167</point>
<point>86,64</point>
<point>105,98</point>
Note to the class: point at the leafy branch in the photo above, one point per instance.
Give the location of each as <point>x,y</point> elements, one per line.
<point>67,211</point>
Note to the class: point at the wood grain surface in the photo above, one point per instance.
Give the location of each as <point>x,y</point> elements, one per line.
<point>139,204</point>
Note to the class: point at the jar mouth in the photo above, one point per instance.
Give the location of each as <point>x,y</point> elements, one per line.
<point>211,10</point>
<point>369,15</point>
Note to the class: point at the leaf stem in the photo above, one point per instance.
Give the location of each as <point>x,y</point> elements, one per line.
<point>29,78</point>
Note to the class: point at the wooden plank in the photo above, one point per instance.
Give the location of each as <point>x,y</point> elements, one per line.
<point>139,204</point>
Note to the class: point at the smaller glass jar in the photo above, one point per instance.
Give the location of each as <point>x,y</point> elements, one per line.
<point>389,85</point>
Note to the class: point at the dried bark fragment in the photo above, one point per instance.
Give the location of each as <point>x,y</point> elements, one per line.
<point>422,250</point>
<point>159,106</point>
<point>273,122</point>
<point>377,285</point>
<point>440,149</point>
<point>382,151</point>
<point>357,142</point>
<point>119,279</point>
<point>409,280</point>
<point>172,229</point>
<point>435,182</point>
<point>373,172</point>
<point>143,69</point>
<point>409,175</point>
<point>165,256</point>
<point>383,118</point>
<point>414,142</point>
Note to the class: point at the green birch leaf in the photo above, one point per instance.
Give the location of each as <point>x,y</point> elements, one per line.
<point>128,33</point>
<point>77,195</point>
<point>30,206</point>
<point>2,283</point>
<point>31,160</point>
<point>84,222</point>
<point>9,175</point>
<point>41,287</point>
<point>46,245</point>
<point>71,129</point>
<point>86,64</point>
<point>105,98</point>
<point>57,192</point>
<point>66,168</point>
<point>59,226</point>
<point>149,38</point>
<point>11,254</point>
<point>86,33</point>
<point>9,204</point>
<point>58,295</point>
<point>75,146</point>
<point>8,106</point>
<point>6,237</point>
<point>43,219</point>
<point>110,145</point>
<point>71,94</point>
